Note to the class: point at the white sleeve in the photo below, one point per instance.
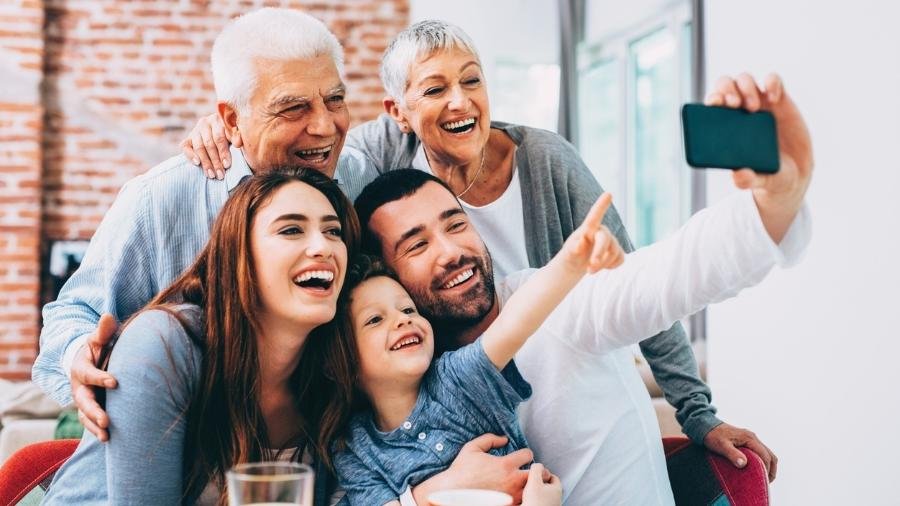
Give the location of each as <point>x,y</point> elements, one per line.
<point>720,251</point>
<point>407,499</point>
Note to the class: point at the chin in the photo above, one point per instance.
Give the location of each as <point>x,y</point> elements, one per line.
<point>315,317</point>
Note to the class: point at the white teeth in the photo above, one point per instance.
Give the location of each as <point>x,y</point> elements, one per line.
<point>306,276</point>
<point>466,274</point>
<point>314,151</point>
<point>458,124</point>
<point>404,342</point>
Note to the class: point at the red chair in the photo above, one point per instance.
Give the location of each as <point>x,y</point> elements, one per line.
<point>32,466</point>
<point>700,477</point>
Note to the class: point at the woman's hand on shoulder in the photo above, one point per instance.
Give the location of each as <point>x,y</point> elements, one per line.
<point>208,146</point>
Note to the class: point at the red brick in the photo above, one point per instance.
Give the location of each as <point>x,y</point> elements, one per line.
<point>142,70</point>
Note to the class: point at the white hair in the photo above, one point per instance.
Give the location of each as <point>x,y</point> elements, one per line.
<point>421,39</point>
<point>268,33</point>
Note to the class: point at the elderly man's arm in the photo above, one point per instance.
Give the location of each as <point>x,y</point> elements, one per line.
<point>113,279</point>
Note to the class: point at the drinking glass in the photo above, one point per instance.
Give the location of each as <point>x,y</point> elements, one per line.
<point>270,483</point>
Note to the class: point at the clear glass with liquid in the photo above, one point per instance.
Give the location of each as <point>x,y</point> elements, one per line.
<point>270,483</point>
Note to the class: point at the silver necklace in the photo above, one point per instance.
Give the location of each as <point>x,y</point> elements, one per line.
<point>477,173</point>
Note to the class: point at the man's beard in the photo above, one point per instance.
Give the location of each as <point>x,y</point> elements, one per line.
<point>451,315</point>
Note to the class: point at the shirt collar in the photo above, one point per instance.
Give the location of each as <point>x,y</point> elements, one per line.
<point>238,171</point>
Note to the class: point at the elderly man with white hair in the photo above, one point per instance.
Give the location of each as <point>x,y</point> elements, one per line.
<point>277,74</point>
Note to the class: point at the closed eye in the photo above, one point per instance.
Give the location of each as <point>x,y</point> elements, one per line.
<point>416,246</point>
<point>292,230</point>
<point>430,92</point>
<point>457,226</point>
<point>294,108</point>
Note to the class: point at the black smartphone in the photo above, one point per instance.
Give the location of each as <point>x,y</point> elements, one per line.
<point>721,137</point>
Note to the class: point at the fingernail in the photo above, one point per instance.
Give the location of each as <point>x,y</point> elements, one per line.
<point>109,383</point>
<point>210,174</point>
<point>227,163</point>
<point>741,462</point>
<point>220,174</point>
<point>196,161</point>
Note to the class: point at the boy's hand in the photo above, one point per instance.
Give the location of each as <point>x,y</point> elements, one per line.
<point>207,146</point>
<point>592,247</point>
<point>542,488</point>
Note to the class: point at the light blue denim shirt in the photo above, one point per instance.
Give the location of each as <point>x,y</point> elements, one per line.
<point>462,396</point>
<point>154,230</point>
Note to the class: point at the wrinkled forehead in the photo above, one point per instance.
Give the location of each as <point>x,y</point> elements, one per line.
<point>302,78</point>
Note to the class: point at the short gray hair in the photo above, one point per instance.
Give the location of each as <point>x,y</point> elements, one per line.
<point>268,33</point>
<point>421,39</point>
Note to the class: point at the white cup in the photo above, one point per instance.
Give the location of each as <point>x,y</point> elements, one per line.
<point>469,497</point>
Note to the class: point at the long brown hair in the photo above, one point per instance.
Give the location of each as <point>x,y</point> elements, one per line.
<point>342,359</point>
<point>225,425</point>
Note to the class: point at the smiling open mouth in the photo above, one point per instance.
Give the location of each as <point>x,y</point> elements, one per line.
<point>315,155</point>
<point>459,127</point>
<point>315,280</point>
<point>459,279</point>
<point>406,342</point>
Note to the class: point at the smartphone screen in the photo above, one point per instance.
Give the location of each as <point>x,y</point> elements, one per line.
<point>721,137</point>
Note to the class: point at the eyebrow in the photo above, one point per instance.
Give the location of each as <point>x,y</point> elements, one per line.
<point>301,99</point>
<point>418,229</point>
<point>437,76</point>
<point>303,217</point>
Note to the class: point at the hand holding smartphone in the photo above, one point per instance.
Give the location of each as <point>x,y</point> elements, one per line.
<point>722,137</point>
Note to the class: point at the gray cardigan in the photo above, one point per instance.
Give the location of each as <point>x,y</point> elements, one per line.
<point>559,190</point>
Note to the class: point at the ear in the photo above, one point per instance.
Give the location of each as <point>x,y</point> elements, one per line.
<point>229,118</point>
<point>393,109</point>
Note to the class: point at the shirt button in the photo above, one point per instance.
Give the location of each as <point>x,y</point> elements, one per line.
<point>439,447</point>
<point>407,424</point>
<point>421,436</point>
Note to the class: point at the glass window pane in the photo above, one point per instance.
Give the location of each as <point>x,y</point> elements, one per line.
<point>655,158</point>
<point>530,94</point>
<point>599,125</point>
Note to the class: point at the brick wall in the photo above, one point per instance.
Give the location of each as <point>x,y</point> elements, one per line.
<point>21,57</point>
<point>107,89</point>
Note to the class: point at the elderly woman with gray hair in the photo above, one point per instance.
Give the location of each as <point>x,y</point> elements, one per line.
<point>526,190</point>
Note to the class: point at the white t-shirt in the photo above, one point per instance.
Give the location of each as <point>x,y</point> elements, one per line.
<point>590,419</point>
<point>500,223</point>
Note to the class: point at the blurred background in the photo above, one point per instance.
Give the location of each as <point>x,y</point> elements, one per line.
<point>95,92</point>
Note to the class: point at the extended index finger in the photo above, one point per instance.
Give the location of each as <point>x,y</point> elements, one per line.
<point>594,218</point>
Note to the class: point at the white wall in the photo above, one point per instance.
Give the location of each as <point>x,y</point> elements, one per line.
<point>809,359</point>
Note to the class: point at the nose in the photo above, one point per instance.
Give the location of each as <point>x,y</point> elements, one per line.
<point>402,319</point>
<point>321,123</point>
<point>459,101</point>
<point>448,252</point>
<point>319,246</point>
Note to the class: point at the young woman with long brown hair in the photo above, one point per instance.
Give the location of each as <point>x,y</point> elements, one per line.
<point>224,366</point>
